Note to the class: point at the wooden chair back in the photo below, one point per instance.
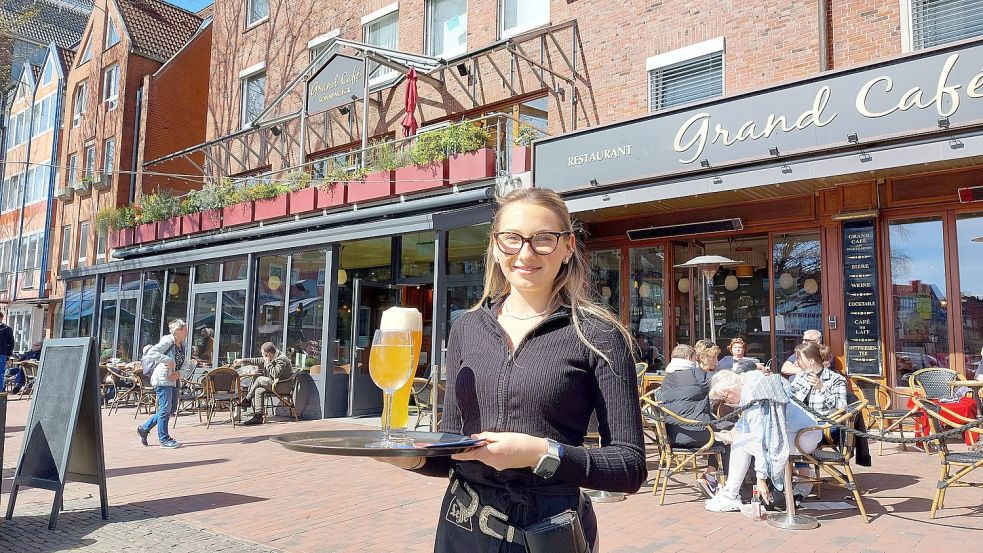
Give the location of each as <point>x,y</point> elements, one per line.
<point>933,382</point>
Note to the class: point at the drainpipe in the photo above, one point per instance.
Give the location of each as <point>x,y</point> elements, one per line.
<point>823,36</point>
<point>136,145</point>
<point>52,179</point>
<point>23,197</point>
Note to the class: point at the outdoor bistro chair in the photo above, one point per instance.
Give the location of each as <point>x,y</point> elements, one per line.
<point>283,391</point>
<point>962,463</point>
<point>8,381</point>
<point>674,460</point>
<point>222,391</point>
<point>878,410</point>
<point>934,383</point>
<point>191,396</point>
<point>147,397</point>
<point>30,368</point>
<point>834,460</point>
<point>640,369</point>
<point>428,404</point>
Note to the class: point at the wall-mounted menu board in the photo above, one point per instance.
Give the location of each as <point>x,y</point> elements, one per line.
<point>862,326</point>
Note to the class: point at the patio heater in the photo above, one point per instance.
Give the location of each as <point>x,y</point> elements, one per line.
<point>708,265</point>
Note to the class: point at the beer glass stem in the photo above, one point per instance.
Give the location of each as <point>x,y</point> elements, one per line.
<point>387,409</point>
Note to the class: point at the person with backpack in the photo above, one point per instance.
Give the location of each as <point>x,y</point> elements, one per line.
<point>169,359</point>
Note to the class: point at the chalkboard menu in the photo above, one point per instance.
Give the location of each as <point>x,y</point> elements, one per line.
<point>63,432</point>
<point>862,326</point>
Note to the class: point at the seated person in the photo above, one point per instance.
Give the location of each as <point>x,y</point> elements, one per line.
<point>760,433</point>
<point>34,353</point>
<point>706,355</point>
<point>818,386</point>
<point>17,372</point>
<point>685,391</point>
<point>736,361</point>
<point>790,368</point>
<point>272,367</point>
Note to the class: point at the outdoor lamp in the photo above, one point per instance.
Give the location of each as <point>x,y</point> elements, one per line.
<point>683,285</point>
<point>730,283</point>
<point>342,276</point>
<point>708,266</point>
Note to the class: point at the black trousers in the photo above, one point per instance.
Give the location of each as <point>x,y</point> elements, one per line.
<point>457,534</point>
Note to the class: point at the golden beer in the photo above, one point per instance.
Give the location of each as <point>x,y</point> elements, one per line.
<point>410,319</point>
<point>390,365</point>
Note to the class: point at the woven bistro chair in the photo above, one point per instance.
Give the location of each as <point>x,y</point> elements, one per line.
<point>30,368</point>
<point>962,463</point>
<point>934,383</point>
<point>147,397</point>
<point>640,369</point>
<point>674,460</point>
<point>8,381</point>
<point>429,405</point>
<point>222,392</point>
<point>879,409</point>
<point>283,391</point>
<point>834,460</point>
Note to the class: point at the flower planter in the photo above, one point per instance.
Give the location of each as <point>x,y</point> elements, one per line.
<point>237,214</point>
<point>332,196</point>
<point>521,159</point>
<point>271,208</point>
<point>122,238</point>
<point>303,200</point>
<point>414,178</point>
<point>375,185</point>
<point>146,232</point>
<point>169,228</point>
<point>472,166</point>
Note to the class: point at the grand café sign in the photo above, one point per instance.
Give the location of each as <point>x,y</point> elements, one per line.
<point>337,83</point>
<point>889,99</point>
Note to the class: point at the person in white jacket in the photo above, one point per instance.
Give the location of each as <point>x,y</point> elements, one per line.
<point>170,358</point>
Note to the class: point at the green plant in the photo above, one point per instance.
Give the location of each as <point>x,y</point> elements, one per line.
<point>158,206</point>
<point>263,190</point>
<point>465,138</point>
<point>122,218</point>
<point>384,156</point>
<point>193,202</point>
<point>525,135</point>
<point>298,180</point>
<point>104,218</point>
<point>428,148</point>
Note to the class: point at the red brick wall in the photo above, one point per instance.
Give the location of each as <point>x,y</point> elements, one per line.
<point>864,31</point>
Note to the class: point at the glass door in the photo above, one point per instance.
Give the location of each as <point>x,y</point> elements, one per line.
<point>231,326</point>
<point>203,327</point>
<point>688,311</point>
<point>369,301</point>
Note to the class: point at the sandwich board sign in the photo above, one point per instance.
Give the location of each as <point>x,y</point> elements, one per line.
<point>63,432</point>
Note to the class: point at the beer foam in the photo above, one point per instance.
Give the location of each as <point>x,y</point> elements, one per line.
<point>402,318</point>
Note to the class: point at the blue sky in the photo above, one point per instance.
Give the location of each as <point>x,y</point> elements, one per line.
<point>190,5</point>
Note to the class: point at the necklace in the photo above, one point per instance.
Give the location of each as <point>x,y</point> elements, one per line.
<point>508,313</point>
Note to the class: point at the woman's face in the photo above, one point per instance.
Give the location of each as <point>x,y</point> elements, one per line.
<point>738,349</point>
<point>526,270</point>
<point>180,334</point>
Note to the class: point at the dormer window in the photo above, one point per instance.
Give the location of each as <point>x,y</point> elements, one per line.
<point>112,35</point>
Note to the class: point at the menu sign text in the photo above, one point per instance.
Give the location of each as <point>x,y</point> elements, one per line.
<point>862,326</point>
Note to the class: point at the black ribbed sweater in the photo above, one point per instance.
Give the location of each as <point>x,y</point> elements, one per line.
<point>547,388</point>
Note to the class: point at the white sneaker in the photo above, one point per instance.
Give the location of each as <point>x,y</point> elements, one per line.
<point>722,504</point>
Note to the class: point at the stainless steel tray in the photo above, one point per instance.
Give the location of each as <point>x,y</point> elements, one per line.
<point>351,443</point>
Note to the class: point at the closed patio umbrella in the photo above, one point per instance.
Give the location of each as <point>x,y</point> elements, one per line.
<point>409,120</point>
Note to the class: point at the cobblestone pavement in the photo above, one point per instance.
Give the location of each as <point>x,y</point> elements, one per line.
<point>231,489</point>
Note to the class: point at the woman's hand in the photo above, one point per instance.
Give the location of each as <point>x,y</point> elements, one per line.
<point>506,450</point>
<point>764,492</point>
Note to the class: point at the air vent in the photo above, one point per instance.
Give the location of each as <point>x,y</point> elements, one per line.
<point>968,195</point>
<point>703,227</point>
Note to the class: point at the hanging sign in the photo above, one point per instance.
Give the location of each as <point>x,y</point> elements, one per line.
<point>339,82</point>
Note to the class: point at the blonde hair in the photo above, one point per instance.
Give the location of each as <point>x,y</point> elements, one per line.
<point>706,351</point>
<point>725,381</point>
<point>572,288</point>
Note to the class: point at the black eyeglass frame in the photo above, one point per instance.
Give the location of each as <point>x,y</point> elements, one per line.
<point>525,240</point>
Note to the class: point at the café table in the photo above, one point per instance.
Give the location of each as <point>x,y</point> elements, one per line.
<point>964,407</point>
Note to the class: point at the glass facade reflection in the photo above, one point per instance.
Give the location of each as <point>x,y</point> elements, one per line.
<point>969,227</point>
<point>152,309</point>
<point>271,297</point>
<point>646,303</point>
<point>798,289</point>
<point>305,315</point>
<point>606,269</point>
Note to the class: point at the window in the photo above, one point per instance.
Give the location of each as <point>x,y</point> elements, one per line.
<point>253,97</point>
<point>90,161</point>
<point>256,11</point>
<point>49,73</point>
<point>86,52</point>
<point>83,243</point>
<point>30,259</point>
<point>968,227</point>
<point>6,249</point>
<point>19,129</point>
<point>110,86</point>
<point>78,108</point>
<point>519,16</point>
<point>447,28</point>
<point>935,22</point>
<point>381,28</point>
<point>686,75</point>
<point>73,168</point>
<point>100,246</point>
<point>109,157</point>
<point>20,321</point>
<point>321,43</point>
<point>44,115</point>
<point>112,35</point>
<point>38,178</point>
<point>66,245</point>
<point>12,193</point>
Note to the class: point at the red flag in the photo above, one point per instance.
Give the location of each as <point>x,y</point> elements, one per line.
<point>409,121</point>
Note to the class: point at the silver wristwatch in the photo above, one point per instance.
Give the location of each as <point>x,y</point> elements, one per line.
<point>550,461</point>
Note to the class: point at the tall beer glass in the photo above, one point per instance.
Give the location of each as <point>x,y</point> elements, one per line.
<point>411,320</point>
<point>390,366</point>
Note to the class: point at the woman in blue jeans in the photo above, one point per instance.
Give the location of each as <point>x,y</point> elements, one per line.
<point>169,358</point>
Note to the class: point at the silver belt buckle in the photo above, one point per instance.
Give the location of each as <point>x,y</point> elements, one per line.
<point>487,512</point>
<point>472,507</point>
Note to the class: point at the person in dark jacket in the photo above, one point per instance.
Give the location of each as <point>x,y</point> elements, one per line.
<point>686,392</point>
<point>274,371</point>
<point>6,345</point>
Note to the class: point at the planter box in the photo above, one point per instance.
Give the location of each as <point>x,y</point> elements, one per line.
<point>474,166</point>
<point>169,228</point>
<point>271,208</point>
<point>521,159</point>
<point>237,214</point>
<point>146,232</point>
<point>303,200</point>
<point>415,178</point>
<point>332,197</point>
<point>375,185</point>
<point>122,238</point>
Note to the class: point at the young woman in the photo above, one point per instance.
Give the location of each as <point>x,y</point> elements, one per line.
<point>817,385</point>
<point>526,369</point>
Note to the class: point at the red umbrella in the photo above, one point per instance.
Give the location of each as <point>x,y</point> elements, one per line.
<point>409,121</point>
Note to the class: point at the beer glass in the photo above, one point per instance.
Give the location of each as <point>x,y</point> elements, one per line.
<point>390,366</point>
<point>409,319</point>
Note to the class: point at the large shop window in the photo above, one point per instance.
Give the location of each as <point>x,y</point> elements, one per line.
<point>152,309</point>
<point>646,303</point>
<point>416,256</point>
<point>686,75</point>
<point>466,250</point>
<point>271,290</point>
<point>176,300</point>
<point>369,260</point>
<point>79,308</point>
<point>305,315</point>
<point>969,228</point>
<point>519,16</point>
<point>798,290</point>
<point>935,22</point>
<point>606,266</point>
<point>382,31</point>
<point>919,304</point>
<point>447,28</point>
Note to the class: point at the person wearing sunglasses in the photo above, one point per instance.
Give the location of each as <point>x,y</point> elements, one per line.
<point>790,367</point>
<point>527,368</point>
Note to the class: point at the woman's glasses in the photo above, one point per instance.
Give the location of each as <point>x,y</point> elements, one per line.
<point>543,243</point>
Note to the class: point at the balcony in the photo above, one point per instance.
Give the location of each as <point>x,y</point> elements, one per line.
<point>102,181</point>
<point>83,186</point>
<point>482,152</point>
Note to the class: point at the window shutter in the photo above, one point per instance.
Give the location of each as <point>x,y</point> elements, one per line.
<point>688,81</point>
<point>935,22</point>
